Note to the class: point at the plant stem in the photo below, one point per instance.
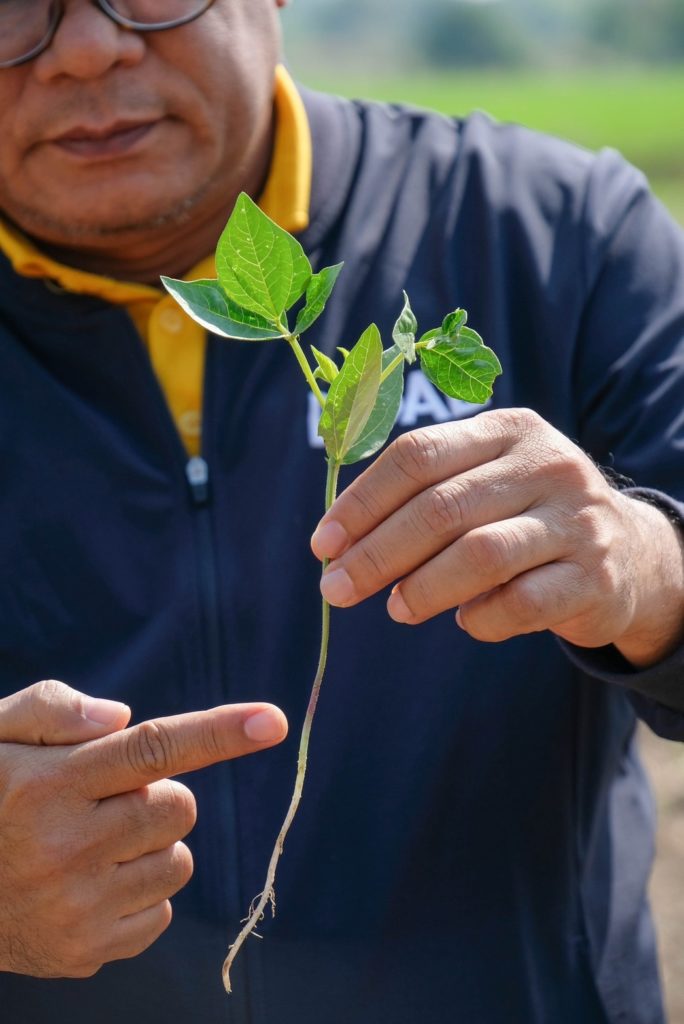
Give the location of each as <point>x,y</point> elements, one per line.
<point>258,907</point>
<point>293,342</point>
<point>392,367</point>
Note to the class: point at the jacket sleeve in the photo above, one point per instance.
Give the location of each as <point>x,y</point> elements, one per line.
<point>629,383</point>
<point>657,692</point>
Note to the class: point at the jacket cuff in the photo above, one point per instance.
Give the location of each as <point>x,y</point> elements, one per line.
<point>662,682</point>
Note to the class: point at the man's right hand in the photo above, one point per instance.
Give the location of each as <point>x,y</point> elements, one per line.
<point>90,823</point>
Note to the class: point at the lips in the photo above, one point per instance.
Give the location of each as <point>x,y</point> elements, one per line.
<point>113,140</point>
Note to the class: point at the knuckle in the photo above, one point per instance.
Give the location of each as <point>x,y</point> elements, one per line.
<point>507,424</point>
<point>522,420</point>
<point>165,916</point>
<point>475,625</point>
<point>578,474</point>
<point>47,692</point>
<point>487,553</point>
<point>149,749</point>
<point>211,740</point>
<point>365,498</point>
<point>420,594</point>
<point>415,454</point>
<point>524,600</point>
<point>156,921</point>
<point>445,509</point>
<point>374,562</point>
<point>46,697</point>
<point>184,864</point>
<point>160,921</point>
<point>183,804</point>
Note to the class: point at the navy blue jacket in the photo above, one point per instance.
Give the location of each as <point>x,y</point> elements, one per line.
<point>476,832</point>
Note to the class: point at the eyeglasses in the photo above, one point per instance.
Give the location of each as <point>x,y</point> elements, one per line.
<point>27,27</point>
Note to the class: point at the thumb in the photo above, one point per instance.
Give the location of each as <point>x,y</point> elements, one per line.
<point>51,712</point>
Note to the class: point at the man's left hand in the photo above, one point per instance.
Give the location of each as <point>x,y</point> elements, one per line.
<point>505,519</point>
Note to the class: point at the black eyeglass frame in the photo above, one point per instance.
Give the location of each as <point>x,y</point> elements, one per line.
<point>119,19</point>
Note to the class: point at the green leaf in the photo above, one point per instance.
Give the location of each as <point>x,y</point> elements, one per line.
<point>453,322</point>
<point>344,351</point>
<point>461,366</point>
<point>384,414</point>
<point>404,333</point>
<point>352,396</point>
<point>261,267</point>
<point>327,369</point>
<point>317,294</point>
<point>208,304</point>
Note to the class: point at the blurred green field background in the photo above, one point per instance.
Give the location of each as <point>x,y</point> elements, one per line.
<point>639,112</point>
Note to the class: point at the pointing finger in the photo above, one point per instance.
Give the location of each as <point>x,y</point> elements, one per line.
<point>164,747</point>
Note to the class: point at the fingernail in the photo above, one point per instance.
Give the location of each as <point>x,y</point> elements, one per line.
<point>329,540</point>
<point>337,587</point>
<point>459,620</point>
<point>103,711</point>
<point>397,607</point>
<point>264,726</point>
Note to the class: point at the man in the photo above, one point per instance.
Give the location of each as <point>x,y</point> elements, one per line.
<point>475,835</point>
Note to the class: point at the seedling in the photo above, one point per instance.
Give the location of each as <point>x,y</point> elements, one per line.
<point>263,273</point>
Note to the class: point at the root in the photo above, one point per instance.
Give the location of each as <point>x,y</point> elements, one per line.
<point>256,915</point>
<point>257,909</point>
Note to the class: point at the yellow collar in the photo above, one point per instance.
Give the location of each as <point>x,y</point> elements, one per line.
<point>285,198</point>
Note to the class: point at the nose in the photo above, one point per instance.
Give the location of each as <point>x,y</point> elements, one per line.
<point>87,44</point>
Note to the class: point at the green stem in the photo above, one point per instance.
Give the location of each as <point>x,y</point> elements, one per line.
<point>293,342</point>
<point>392,367</point>
<point>258,907</point>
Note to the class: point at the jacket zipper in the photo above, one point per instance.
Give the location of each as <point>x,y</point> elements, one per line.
<point>197,475</point>
<point>199,483</point>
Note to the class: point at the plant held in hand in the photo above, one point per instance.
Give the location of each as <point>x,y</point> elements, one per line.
<point>263,272</point>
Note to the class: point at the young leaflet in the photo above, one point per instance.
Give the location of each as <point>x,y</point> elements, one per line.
<point>263,272</point>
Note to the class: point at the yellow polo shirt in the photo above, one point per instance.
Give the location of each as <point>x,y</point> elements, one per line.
<point>175,343</point>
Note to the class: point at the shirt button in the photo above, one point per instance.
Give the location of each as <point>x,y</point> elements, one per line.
<point>171,320</point>
<point>190,423</point>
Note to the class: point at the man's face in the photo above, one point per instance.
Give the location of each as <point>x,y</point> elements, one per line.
<point>108,132</point>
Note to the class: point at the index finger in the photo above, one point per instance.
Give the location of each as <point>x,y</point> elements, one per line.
<point>163,747</point>
<point>412,463</point>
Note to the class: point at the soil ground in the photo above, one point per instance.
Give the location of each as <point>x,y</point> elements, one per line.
<point>665,763</point>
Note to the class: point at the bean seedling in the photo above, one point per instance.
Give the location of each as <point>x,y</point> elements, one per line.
<point>262,274</point>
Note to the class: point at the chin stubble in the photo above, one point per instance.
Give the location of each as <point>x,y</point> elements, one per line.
<point>46,225</point>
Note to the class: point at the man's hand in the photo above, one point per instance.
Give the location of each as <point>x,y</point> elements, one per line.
<point>504,518</point>
<point>90,825</point>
